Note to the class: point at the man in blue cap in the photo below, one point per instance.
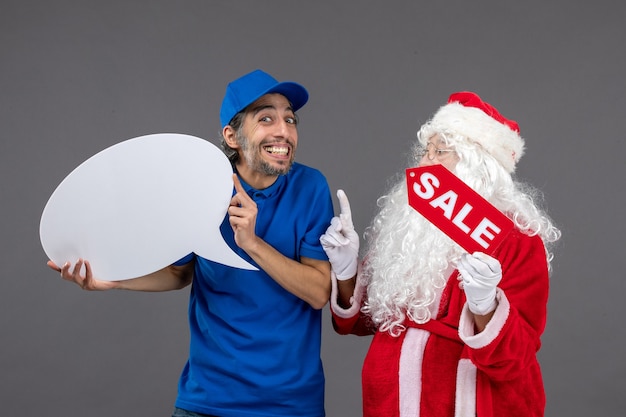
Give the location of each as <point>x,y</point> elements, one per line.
<point>255,336</point>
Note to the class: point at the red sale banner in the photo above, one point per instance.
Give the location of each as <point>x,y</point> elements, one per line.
<point>457,210</point>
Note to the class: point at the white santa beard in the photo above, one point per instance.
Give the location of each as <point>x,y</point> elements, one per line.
<point>406,266</point>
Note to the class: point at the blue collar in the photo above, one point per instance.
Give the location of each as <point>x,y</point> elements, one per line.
<point>266,192</point>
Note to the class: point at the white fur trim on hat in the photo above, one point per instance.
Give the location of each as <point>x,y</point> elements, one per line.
<point>503,143</point>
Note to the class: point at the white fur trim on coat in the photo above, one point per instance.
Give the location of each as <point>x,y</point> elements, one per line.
<point>493,328</point>
<point>355,300</point>
<point>465,402</point>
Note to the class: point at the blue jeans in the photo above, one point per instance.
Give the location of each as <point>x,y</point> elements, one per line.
<point>179,412</point>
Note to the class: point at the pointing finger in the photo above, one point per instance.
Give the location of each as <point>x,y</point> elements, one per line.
<point>344,204</point>
<point>241,198</point>
<point>237,183</point>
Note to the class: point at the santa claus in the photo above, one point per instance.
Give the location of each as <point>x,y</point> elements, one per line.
<point>455,334</point>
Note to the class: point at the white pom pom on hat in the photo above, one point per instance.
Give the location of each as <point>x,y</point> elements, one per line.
<point>468,115</point>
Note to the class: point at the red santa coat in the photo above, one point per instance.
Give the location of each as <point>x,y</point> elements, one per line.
<point>442,368</point>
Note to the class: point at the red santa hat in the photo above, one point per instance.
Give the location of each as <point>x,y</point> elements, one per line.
<point>468,115</point>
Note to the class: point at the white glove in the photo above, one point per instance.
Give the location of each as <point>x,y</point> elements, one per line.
<point>480,274</point>
<point>341,242</point>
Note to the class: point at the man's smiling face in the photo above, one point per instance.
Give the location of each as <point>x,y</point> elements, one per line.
<point>269,136</point>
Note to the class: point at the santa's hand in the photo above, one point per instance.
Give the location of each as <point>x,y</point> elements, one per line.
<point>479,276</point>
<point>341,241</point>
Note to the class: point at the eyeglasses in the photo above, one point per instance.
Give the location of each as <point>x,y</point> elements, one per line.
<point>432,152</point>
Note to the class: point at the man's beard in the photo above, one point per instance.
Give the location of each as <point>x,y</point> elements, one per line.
<point>407,264</point>
<point>252,154</point>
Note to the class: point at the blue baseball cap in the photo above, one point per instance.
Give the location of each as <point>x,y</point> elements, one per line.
<point>246,90</point>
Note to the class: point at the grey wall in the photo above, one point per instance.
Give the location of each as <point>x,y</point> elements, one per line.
<point>79,76</point>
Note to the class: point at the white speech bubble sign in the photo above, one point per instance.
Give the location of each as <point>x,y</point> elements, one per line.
<point>140,205</point>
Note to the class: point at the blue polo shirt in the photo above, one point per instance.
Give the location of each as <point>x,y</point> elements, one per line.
<point>255,347</point>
